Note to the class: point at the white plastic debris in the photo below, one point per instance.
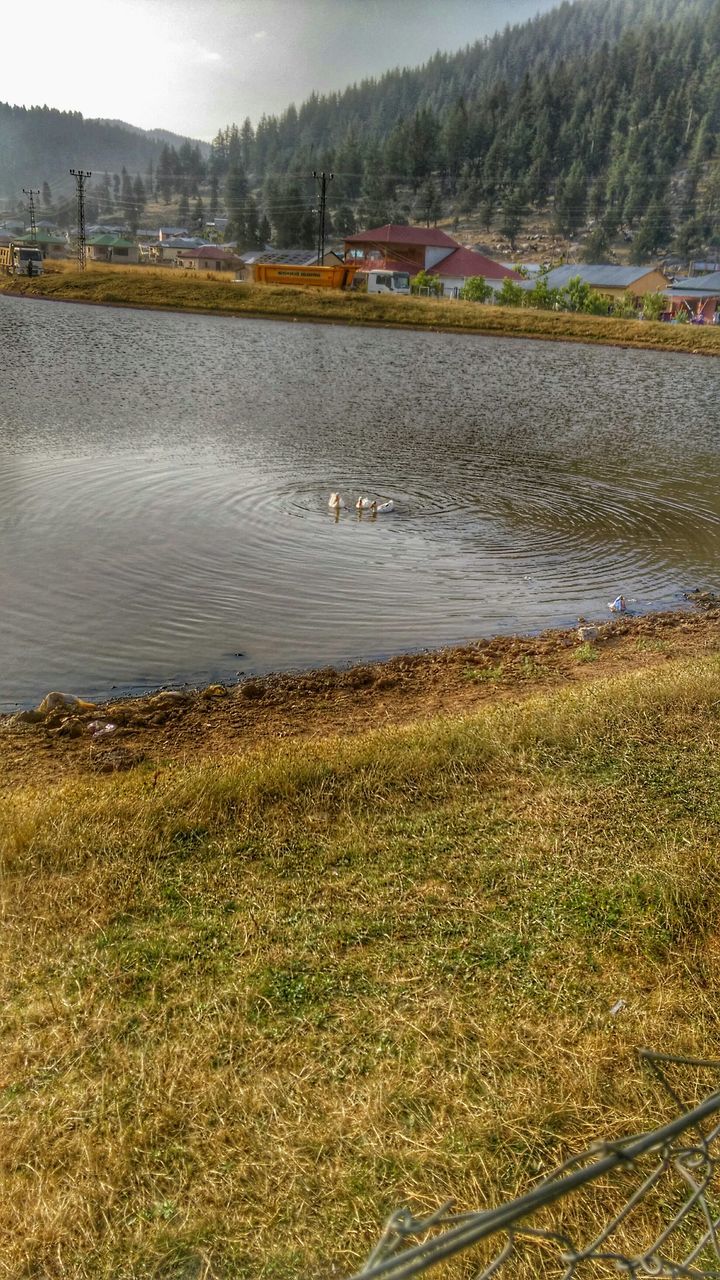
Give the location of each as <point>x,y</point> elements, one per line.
<point>617,1008</point>
<point>618,605</point>
<point>101,728</point>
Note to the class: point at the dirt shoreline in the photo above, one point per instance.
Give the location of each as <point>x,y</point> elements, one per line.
<point>188,726</point>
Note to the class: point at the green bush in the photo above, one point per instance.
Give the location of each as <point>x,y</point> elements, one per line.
<point>476,289</point>
<point>511,294</point>
<point>423,280</point>
<point>653,306</point>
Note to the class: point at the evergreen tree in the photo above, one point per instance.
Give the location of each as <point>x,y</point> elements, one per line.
<point>571,200</point>
<point>236,192</point>
<point>183,212</point>
<point>654,232</point>
<point>197,217</point>
<point>428,204</point>
<point>512,214</point>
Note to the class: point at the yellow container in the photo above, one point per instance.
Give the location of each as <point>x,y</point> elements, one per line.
<point>339,277</point>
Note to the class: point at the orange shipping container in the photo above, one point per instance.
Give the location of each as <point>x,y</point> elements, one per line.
<point>339,277</point>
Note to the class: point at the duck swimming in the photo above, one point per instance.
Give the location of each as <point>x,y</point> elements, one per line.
<point>335,501</point>
<point>378,508</point>
<point>363,504</point>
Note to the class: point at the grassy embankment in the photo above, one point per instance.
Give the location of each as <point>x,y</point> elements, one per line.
<point>208,292</point>
<point>249,1006</point>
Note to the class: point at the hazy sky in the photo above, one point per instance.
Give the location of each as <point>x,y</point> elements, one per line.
<point>196,65</point>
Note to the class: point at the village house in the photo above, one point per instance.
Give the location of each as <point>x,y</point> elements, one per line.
<point>610,281</point>
<point>400,248</point>
<point>698,296</point>
<point>52,243</point>
<point>109,248</point>
<point>166,251</point>
<point>209,257</point>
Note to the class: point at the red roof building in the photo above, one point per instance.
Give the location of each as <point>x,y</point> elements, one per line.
<point>400,248</point>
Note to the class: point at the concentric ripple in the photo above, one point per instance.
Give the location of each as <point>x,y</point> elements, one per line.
<point>163,525</point>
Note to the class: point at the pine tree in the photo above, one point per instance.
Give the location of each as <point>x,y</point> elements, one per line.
<point>183,212</point>
<point>428,204</point>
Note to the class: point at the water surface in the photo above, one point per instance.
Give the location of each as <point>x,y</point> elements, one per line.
<point>164,483</point>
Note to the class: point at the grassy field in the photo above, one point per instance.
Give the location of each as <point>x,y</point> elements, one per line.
<point>209,292</point>
<point>251,1005</point>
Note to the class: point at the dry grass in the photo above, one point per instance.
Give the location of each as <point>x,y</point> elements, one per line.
<point>249,1007</point>
<point>215,293</point>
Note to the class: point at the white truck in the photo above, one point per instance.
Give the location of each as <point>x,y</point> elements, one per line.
<point>382,281</point>
<point>21,260</point>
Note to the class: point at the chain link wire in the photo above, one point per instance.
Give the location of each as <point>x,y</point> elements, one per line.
<point>664,1186</point>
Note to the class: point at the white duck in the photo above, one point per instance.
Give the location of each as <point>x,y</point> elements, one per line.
<point>363,504</point>
<point>378,508</point>
<point>335,502</point>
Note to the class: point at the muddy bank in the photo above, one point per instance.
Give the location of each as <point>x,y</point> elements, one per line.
<point>226,719</point>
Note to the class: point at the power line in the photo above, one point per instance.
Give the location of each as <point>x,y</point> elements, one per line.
<point>80,175</point>
<point>31,193</point>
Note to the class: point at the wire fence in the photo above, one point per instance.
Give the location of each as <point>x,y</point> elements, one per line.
<point>660,1186</point>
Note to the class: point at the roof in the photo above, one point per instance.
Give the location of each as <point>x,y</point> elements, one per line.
<point>392,233</point>
<point>696,286</point>
<point>217,253</point>
<point>111,242</point>
<point>597,275</point>
<point>464,263</point>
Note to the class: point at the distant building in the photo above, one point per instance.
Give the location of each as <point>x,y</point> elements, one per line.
<point>395,247</point>
<point>698,296</point>
<point>54,244</point>
<point>209,257</point>
<point>110,248</point>
<point>291,257</point>
<point>611,281</point>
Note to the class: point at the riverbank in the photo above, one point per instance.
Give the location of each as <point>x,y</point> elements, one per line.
<point>179,725</point>
<point>203,293</point>
<point>255,993</point>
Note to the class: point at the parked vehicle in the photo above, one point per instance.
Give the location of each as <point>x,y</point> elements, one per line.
<point>378,281</point>
<point>20,260</point>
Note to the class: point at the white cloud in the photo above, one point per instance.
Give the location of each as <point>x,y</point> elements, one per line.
<point>209,55</point>
<point>259,35</point>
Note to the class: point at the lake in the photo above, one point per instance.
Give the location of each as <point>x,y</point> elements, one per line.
<point>164,482</point>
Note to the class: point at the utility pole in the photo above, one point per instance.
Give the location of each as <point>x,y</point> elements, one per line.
<point>322,180</point>
<point>33,227</point>
<point>80,175</point>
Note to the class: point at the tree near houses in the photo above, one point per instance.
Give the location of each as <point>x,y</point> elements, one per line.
<point>654,232</point>
<point>476,289</point>
<point>183,210</point>
<point>429,203</point>
<point>511,214</point>
<point>570,200</point>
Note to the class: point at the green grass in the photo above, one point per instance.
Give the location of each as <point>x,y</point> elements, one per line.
<point>206,292</point>
<point>250,1005</point>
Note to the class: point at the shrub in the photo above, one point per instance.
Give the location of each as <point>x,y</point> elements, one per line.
<point>511,294</point>
<point>476,289</point>
<point>423,280</point>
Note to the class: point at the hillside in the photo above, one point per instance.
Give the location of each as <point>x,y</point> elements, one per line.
<point>602,114</point>
<point>594,126</point>
<point>40,144</point>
